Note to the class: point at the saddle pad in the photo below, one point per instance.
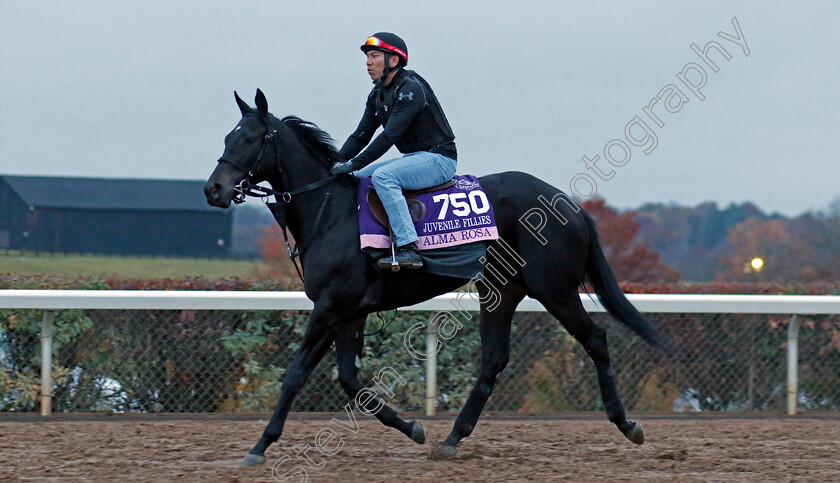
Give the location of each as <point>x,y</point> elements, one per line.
<point>457,215</point>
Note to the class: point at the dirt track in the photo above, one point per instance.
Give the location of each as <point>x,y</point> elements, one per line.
<point>772,449</point>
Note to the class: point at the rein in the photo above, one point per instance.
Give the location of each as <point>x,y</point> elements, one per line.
<point>282,198</point>
<point>245,188</point>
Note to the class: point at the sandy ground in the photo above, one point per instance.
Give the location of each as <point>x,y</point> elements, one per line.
<point>580,449</point>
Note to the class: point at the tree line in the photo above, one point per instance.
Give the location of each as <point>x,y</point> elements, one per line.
<point>659,242</point>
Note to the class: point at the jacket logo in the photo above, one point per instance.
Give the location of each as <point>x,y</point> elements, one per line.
<point>409,96</point>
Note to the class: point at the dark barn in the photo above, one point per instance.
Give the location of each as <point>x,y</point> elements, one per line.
<point>110,216</point>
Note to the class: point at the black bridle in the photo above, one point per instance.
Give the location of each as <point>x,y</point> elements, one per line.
<point>247,187</point>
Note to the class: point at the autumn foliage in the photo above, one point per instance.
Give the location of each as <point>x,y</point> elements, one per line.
<point>278,266</point>
<point>630,259</point>
<point>666,243</point>
<point>802,249</point>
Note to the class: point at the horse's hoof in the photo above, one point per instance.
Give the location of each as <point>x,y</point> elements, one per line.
<point>636,434</point>
<point>418,434</point>
<point>448,451</point>
<point>252,460</point>
<point>443,451</point>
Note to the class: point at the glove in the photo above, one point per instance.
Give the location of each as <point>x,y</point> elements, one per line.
<point>342,168</point>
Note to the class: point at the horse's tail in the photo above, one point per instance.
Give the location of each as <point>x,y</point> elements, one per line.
<point>600,276</point>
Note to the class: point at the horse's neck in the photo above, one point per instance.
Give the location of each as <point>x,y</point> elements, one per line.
<point>302,212</point>
<point>307,219</point>
<point>301,167</point>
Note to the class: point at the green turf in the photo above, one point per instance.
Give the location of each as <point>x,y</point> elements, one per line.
<point>125,267</point>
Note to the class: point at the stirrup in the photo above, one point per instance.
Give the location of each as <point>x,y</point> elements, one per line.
<point>394,265</point>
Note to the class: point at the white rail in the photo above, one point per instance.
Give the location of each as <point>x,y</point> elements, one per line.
<point>52,300</point>
<point>230,300</point>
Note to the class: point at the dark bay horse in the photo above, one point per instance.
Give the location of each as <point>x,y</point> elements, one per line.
<point>294,157</point>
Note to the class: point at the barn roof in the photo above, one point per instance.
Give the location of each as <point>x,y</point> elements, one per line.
<point>104,193</point>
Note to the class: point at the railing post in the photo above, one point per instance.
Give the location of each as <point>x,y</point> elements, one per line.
<point>792,365</point>
<point>46,363</point>
<point>431,366</point>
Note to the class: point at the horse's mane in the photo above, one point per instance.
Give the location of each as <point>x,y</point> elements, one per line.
<point>313,137</point>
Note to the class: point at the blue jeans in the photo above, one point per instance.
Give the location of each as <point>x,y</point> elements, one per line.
<point>412,171</point>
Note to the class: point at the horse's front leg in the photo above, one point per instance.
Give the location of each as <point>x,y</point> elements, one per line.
<point>348,350</point>
<point>320,334</point>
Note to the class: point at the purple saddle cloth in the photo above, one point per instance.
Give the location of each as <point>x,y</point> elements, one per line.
<point>453,216</point>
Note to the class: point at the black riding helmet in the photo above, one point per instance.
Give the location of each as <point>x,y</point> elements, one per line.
<point>390,44</point>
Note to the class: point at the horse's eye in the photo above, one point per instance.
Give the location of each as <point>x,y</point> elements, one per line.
<point>250,140</point>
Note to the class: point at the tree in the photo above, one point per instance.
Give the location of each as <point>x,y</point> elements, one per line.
<point>273,250</point>
<point>805,249</point>
<point>756,239</point>
<point>249,220</point>
<point>630,259</point>
<point>692,239</point>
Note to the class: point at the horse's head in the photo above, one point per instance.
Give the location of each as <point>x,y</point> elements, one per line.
<point>247,157</point>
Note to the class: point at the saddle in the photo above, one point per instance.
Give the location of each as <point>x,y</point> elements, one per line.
<point>415,207</point>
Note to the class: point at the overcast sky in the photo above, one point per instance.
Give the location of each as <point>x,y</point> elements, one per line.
<point>145,89</point>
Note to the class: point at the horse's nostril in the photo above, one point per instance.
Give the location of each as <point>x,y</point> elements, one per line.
<point>212,188</point>
<point>213,193</point>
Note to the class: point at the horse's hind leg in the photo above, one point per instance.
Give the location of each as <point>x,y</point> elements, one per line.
<point>348,349</point>
<point>593,338</point>
<point>494,328</point>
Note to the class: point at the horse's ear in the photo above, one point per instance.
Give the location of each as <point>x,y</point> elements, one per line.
<point>243,106</point>
<point>262,104</point>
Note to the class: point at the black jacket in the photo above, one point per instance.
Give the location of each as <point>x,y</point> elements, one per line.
<point>412,118</point>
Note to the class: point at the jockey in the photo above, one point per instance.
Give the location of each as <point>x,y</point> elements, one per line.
<point>402,103</point>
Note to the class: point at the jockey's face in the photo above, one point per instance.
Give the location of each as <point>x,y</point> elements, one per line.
<point>376,63</point>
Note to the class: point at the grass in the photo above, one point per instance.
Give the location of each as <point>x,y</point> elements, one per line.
<point>126,266</point>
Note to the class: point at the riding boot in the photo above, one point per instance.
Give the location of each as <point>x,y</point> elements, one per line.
<point>407,256</point>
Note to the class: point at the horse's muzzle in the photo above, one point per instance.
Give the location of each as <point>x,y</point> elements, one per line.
<point>215,194</point>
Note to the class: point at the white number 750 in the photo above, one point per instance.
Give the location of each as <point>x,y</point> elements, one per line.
<point>477,203</point>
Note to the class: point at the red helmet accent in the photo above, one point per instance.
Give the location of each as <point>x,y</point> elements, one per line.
<point>385,41</point>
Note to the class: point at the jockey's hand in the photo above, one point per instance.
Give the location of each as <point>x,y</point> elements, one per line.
<point>342,168</point>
